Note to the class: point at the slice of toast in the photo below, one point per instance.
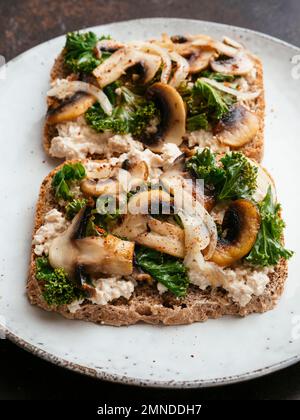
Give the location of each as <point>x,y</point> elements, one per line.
<point>146,304</point>
<point>254,149</point>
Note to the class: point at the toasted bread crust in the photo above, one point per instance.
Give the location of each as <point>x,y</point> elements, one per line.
<point>254,149</point>
<point>146,304</point>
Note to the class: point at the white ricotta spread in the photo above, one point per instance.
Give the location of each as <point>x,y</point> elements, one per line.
<point>122,144</point>
<point>76,140</point>
<point>55,224</point>
<point>205,138</point>
<point>108,289</point>
<point>244,282</point>
<point>241,282</point>
<point>170,152</point>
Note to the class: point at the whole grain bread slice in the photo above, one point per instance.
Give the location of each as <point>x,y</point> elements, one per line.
<point>146,304</point>
<point>254,149</point>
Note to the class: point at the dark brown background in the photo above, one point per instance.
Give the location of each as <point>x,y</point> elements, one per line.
<point>25,23</point>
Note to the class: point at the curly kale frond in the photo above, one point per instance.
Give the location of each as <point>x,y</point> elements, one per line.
<point>74,206</point>
<point>232,177</point>
<point>268,248</point>
<point>57,288</point>
<point>132,114</point>
<point>63,179</point>
<point>80,51</point>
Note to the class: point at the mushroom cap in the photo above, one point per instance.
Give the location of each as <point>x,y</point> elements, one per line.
<point>238,65</point>
<point>117,64</point>
<point>173,117</point>
<point>71,108</point>
<point>237,127</point>
<point>102,254</point>
<point>241,223</point>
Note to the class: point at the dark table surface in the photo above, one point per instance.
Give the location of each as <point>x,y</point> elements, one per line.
<point>25,23</point>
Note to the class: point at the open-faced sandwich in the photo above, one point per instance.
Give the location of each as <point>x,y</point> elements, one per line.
<point>167,95</point>
<point>116,243</point>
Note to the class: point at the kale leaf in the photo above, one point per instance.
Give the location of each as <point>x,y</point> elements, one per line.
<point>132,114</point>
<point>240,177</point>
<point>164,268</point>
<point>218,77</point>
<point>63,179</point>
<point>79,52</point>
<point>57,289</point>
<point>203,165</point>
<point>268,248</point>
<point>216,104</point>
<point>232,178</point>
<point>196,122</point>
<point>205,104</point>
<point>74,206</point>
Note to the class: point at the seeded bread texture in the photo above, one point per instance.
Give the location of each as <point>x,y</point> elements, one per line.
<point>146,304</point>
<point>254,149</point>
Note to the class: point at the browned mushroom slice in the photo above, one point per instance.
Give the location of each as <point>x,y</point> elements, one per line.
<point>199,60</point>
<point>237,127</point>
<point>104,254</point>
<point>137,168</point>
<point>240,225</point>
<point>172,117</point>
<point>71,108</point>
<point>95,188</point>
<point>150,202</point>
<point>144,229</point>
<point>117,64</point>
<point>238,65</point>
<point>163,237</point>
<point>107,45</point>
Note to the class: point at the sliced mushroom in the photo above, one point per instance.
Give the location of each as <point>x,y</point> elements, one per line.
<point>107,45</point>
<point>71,108</point>
<point>238,65</point>
<point>182,69</point>
<point>240,225</point>
<point>173,115</point>
<point>237,127</point>
<point>198,57</point>
<point>117,64</point>
<point>140,227</point>
<point>159,235</point>
<point>66,88</point>
<point>104,254</point>
<point>150,202</point>
<point>164,237</point>
<point>95,188</point>
<point>138,170</point>
<point>199,60</point>
<point>150,48</point>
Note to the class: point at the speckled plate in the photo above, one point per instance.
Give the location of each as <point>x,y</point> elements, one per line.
<point>216,352</point>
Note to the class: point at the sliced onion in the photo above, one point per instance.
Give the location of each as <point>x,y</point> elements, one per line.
<point>182,69</point>
<point>241,96</point>
<point>161,52</point>
<point>65,88</point>
<point>200,228</point>
<point>232,43</point>
<point>217,45</point>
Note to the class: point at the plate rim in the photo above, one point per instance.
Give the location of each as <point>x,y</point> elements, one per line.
<point>124,379</point>
<point>129,380</point>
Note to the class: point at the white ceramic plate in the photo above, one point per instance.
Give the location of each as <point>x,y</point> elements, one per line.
<point>215,352</point>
